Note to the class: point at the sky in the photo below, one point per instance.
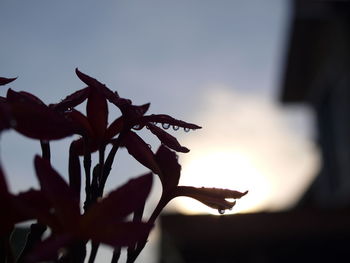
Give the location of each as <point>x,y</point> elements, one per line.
<point>215,63</point>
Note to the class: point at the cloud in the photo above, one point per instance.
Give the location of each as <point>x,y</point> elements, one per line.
<point>250,143</point>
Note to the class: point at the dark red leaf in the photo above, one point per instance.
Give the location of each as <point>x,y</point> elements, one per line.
<point>48,249</point>
<point>119,203</point>
<point>33,204</point>
<point>36,120</point>
<point>169,166</point>
<point>80,146</point>
<point>162,118</point>
<point>91,82</point>
<point>212,197</point>
<point>5,115</point>
<point>72,100</point>
<point>74,170</point>
<point>133,113</point>
<point>4,81</point>
<point>167,139</point>
<point>114,128</point>
<point>81,123</point>
<point>97,113</point>
<point>58,192</point>
<point>120,233</point>
<point>140,151</point>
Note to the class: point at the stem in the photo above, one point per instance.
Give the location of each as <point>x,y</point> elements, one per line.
<point>140,245</point>
<point>94,248</point>
<point>45,149</point>
<point>109,162</point>
<point>116,255</point>
<point>87,169</point>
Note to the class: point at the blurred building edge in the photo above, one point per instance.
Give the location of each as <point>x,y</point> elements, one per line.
<point>318,73</point>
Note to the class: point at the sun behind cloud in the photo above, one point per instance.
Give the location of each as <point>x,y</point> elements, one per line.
<point>246,144</point>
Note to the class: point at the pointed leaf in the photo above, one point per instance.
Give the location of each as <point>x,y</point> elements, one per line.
<point>58,192</point>
<point>4,81</point>
<point>91,82</point>
<point>140,151</point>
<point>167,139</point>
<point>162,118</point>
<point>212,197</point>
<point>97,113</point>
<point>72,100</point>
<point>36,120</point>
<point>114,128</point>
<point>81,123</point>
<point>119,203</point>
<point>169,166</point>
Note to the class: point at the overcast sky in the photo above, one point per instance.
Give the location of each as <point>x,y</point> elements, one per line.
<point>174,54</point>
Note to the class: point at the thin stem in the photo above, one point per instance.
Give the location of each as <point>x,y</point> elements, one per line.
<point>87,169</point>
<point>140,245</point>
<point>45,149</point>
<point>109,162</point>
<point>94,249</point>
<point>116,255</point>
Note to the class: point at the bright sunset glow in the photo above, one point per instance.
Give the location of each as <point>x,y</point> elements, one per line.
<point>226,169</point>
<point>246,144</point>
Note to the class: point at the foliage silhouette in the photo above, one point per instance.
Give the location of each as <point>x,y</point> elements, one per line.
<point>57,204</point>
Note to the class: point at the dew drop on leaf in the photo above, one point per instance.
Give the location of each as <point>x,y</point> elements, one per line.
<point>175,128</point>
<point>186,129</point>
<point>166,126</point>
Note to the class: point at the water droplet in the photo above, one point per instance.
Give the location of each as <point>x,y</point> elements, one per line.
<point>137,127</point>
<point>186,129</point>
<point>175,128</point>
<point>221,211</point>
<point>147,127</point>
<point>68,110</point>
<point>166,126</point>
<point>149,146</point>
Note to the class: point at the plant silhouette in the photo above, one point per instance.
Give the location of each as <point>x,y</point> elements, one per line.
<point>104,219</point>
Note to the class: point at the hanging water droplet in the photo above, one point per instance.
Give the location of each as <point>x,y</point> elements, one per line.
<point>165,125</point>
<point>149,146</point>
<point>137,127</point>
<point>68,110</point>
<point>175,128</point>
<point>147,127</point>
<point>221,211</point>
<point>186,129</point>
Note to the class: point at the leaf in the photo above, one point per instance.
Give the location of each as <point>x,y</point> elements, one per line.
<point>169,166</point>
<point>74,171</point>
<point>4,81</point>
<point>114,128</point>
<point>162,118</point>
<point>133,113</point>
<point>119,203</point>
<point>47,250</point>
<point>81,123</point>
<point>71,100</point>
<point>167,139</point>
<point>97,113</point>
<point>120,233</point>
<point>37,120</point>
<point>91,82</point>
<point>212,197</point>
<point>58,192</point>
<point>140,151</point>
